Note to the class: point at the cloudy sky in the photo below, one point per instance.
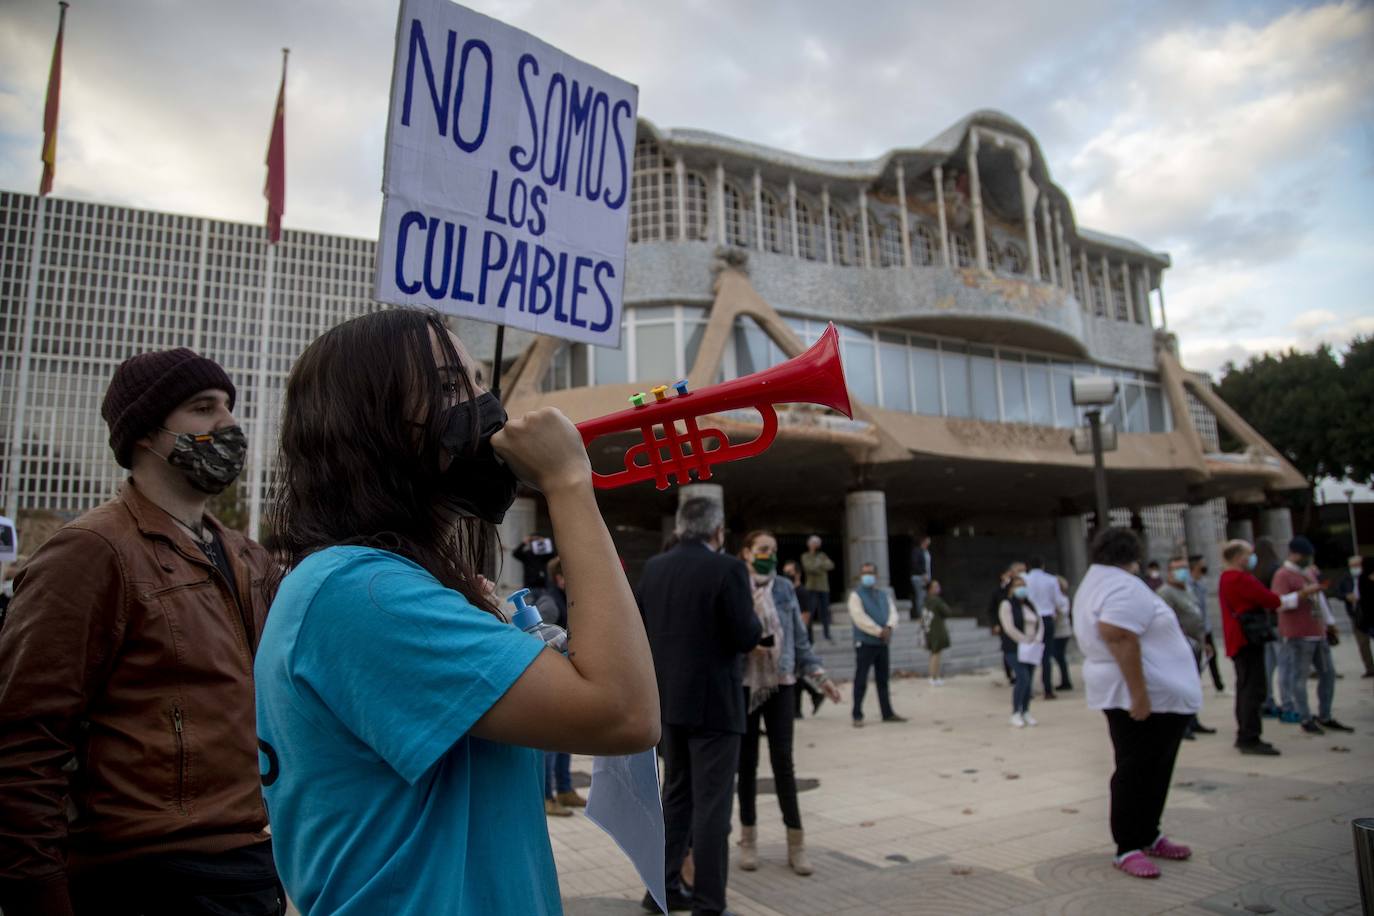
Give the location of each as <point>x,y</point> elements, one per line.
<point>1238,136</point>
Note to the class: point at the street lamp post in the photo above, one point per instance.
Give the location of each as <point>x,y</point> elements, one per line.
<point>1097,392</point>
<point>1350,508</point>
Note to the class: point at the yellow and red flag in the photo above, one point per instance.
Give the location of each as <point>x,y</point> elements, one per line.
<point>275,189</point>
<point>50,109</point>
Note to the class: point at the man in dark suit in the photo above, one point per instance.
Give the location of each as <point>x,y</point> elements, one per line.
<point>1348,589</point>
<point>699,615</point>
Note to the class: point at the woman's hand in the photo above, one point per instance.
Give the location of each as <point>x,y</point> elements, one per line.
<point>832,691</point>
<point>544,450</point>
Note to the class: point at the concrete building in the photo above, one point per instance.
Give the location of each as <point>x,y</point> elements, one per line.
<point>966,292</point>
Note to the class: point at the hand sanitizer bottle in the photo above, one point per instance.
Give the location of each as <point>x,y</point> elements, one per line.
<point>527,618</point>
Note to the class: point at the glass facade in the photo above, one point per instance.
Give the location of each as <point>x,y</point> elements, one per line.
<point>935,376</point>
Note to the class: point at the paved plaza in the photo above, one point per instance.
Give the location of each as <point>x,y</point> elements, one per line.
<point>955,812</point>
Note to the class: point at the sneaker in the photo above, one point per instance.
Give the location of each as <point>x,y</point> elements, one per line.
<point>1289,718</point>
<point>1029,719</point>
<point>1332,725</point>
<point>1164,848</point>
<point>1312,728</point>
<point>939,682</point>
<point>552,808</point>
<point>1137,866</point>
<point>1258,749</point>
<point>1018,720</point>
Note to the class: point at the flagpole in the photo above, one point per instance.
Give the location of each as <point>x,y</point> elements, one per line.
<point>261,402</point>
<point>14,452</point>
<point>271,235</point>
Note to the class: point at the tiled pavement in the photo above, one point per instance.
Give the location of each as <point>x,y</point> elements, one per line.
<point>957,813</point>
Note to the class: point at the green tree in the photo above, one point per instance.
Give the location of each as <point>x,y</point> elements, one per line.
<point>1355,429</point>
<point>1297,401</point>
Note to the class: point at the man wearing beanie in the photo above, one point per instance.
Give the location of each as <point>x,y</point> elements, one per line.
<point>129,770</point>
<point>1305,630</point>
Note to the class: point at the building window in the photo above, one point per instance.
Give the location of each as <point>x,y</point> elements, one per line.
<point>775,236</point>
<point>739,224</point>
<point>890,244</point>
<point>843,237</point>
<point>1119,297</point>
<point>698,210</point>
<point>651,174</point>
<point>1099,295</point>
<point>1079,289</point>
<point>810,242</point>
<point>925,247</point>
<point>1045,262</point>
<point>1012,260</point>
<point>963,250</point>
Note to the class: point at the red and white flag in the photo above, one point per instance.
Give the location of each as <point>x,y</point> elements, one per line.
<point>275,189</point>
<point>50,109</point>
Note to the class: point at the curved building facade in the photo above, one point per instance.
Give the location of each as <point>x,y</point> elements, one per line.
<point>966,293</point>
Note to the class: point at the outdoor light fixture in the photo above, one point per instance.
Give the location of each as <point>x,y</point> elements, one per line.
<point>1096,391</point>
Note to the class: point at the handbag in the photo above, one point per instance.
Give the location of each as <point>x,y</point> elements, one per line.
<point>1256,628</point>
<point>1030,653</point>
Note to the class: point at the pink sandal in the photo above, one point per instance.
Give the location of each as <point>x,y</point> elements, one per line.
<point>1164,848</point>
<point>1137,866</point>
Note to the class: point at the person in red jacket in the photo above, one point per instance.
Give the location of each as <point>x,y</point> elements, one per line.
<point>1240,593</point>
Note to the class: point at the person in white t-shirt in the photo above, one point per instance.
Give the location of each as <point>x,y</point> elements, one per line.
<point>1139,670</point>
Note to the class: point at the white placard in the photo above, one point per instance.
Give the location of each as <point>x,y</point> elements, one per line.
<point>9,541</point>
<point>507,178</point>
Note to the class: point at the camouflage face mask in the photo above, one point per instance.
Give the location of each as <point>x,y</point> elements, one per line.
<point>210,461</point>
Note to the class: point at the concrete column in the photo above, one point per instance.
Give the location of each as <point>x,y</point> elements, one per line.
<point>939,174</point>
<point>1050,258</point>
<point>662,204</point>
<point>1163,315</point>
<point>863,227</point>
<point>1126,291</point>
<point>758,211</point>
<point>1072,534</point>
<point>1108,307</point>
<point>1277,525</point>
<point>1065,261</point>
<point>825,224</point>
<point>721,238</point>
<point>1087,280</point>
<point>1200,533</point>
<point>1029,195</point>
<point>975,189</point>
<point>865,528</point>
<point>1242,528</point>
<point>520,521</point>
<point>792,216</point>
<point>901,204</point>
<point>680,173</point>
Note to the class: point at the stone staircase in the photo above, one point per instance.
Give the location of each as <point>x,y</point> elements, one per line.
<point>972,647</point>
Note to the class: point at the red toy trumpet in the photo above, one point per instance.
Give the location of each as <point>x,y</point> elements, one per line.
<point>814,377</point>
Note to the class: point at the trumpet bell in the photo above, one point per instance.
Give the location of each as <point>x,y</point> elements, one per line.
<point>813,377</point>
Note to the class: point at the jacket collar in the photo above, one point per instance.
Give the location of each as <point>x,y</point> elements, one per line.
<point>155,522</point>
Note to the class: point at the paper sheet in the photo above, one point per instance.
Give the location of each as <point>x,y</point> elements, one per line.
<point>624,801</point>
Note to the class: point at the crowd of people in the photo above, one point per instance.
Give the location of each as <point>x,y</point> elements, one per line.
<point>391,720</point>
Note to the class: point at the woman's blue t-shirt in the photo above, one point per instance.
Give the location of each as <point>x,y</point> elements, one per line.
<point>369,676</point>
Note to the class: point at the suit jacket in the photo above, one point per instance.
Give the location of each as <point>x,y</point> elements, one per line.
<point>699,615</point>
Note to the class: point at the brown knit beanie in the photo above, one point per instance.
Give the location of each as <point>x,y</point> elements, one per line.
<point>148,387</point>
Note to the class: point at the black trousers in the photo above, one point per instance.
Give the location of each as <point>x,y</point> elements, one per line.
<point>1212,664</point>
<point>698,795</point>
<point>817,603</point>
<point>1145,755</point>
<point>1059,654</point>
<point>241,882</point>
<point>1250,691</point>
<point>1046,673</point>
<point>875,657</point>
<point>776,713</point>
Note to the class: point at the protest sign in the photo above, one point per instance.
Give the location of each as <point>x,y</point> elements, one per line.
<point>507,178</point>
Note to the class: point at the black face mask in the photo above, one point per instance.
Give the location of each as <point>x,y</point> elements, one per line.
<point>476,483</point>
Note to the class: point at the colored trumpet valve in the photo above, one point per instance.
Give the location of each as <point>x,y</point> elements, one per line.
<point>681,387</point>
<point>637,399</point>
<point>660,393</point>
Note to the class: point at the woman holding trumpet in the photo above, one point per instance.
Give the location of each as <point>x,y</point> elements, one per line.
<point>401,716</point>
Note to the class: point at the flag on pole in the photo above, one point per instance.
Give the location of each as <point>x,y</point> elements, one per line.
<point>275,189</point>
<point>50,109</point>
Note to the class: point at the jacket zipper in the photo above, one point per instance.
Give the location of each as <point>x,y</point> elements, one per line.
<point>181,759</point>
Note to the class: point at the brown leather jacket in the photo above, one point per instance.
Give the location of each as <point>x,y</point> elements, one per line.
<point>127,724</point>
